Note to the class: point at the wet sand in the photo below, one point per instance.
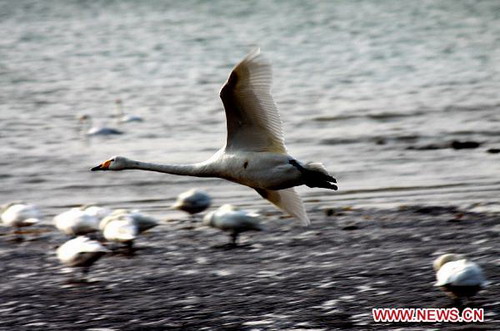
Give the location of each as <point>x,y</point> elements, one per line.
<point>325,277</point>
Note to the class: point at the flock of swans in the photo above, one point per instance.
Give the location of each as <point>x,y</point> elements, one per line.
<point>95,229</point>
<point>254,155</point>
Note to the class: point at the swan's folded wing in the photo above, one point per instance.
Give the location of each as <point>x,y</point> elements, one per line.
<point>287,200</point>
<point>253,121</point>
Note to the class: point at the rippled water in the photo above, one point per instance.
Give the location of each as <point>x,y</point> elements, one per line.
<point>361,86</point>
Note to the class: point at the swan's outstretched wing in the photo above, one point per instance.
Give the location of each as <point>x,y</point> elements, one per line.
<point>253,121</point>
<point>287,200</point>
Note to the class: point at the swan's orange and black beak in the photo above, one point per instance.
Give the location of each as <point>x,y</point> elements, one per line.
<point>103,166</point>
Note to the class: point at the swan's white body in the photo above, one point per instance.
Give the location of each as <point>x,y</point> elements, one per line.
<point>230,219</point>
<point>125,118</point>
<point>458,276</point>
<point>121,230</point>
<point>80,252</point>
<point>255,154</point>
<point>123,225</point>
<point>76,222</point>
<point>193,201</point>
<point>143,222</point>
<point>90,130</point>
<point>19,215</point>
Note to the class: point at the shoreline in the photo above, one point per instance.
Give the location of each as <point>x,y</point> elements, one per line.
<point>327,276</point>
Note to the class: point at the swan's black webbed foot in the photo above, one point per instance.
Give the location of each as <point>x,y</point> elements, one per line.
<point>76,281</point>
<point>327,185</point>
<point>233,243</point>
<point>226,246</point>
<point>315,175</point>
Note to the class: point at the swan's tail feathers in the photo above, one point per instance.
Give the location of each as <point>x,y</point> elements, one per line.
<point>315,175</point>
<point>287,200</point>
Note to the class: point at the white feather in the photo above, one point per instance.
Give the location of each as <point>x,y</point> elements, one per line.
<point>253,121</point>
<point>287,200</point>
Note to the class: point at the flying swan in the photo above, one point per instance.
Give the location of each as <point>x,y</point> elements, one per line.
<point>255,154</point>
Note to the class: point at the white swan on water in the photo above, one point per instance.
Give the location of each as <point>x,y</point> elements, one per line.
<point>90,130</point>
<point>125,118</point>
<point>255,154</point>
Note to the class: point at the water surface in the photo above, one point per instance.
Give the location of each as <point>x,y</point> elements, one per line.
<point>361,86</point>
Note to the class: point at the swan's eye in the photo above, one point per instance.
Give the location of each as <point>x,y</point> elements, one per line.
<point>112,160</point>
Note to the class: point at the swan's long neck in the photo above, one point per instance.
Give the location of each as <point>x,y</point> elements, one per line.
<point>119,109</point>
<point>86,124</point>
<point>203,169</point>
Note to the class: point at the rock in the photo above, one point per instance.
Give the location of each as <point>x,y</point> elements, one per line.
<point>428,147</point>
<point>456,144</point>
<point>350,227</point>
<point>333,212</point>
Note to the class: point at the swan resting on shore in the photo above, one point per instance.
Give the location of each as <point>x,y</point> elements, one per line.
<point>120,229</point>
<point>77,222</point>
<point>123,226</point>
<point>193,201</point>
<point>142,222</point>
<point>81,252</point>
<point>255,154</point>
<point>228,218</point>
<point>18,215</point>
<point>457,276</point>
